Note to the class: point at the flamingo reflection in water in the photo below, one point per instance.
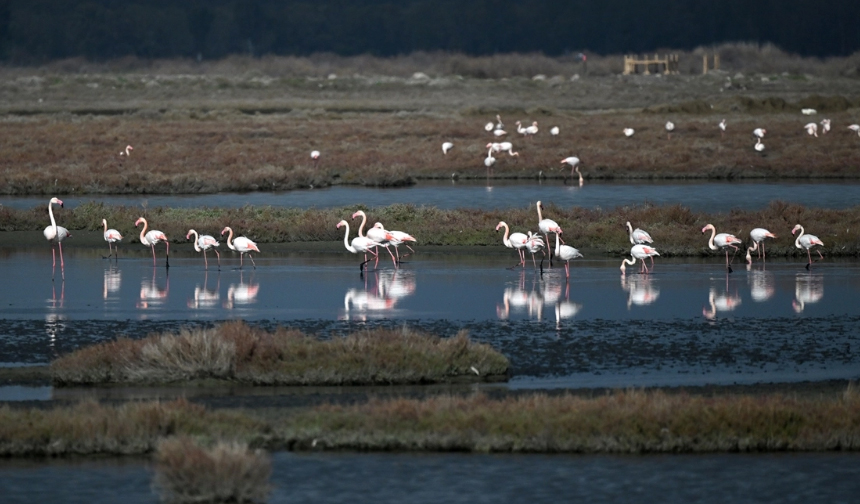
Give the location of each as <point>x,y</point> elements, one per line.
<point>243,293</point>
<point>204,297</point>
<point>112,283</point>
<point>381,297</point>
<point>724,302</point>
<point>55,323</point>
<point>565,309</point>
<point>761,282</point>
<point>640,290</point>
<point>808,289</point>
<point>151,294</point>
<point>544,291</point>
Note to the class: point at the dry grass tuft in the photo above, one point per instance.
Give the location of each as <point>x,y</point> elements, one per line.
<point>238,352</point>
<point>225,472</point>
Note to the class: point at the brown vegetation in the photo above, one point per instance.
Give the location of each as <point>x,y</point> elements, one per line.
<point>619,422</point>
<point>238,352</point>
<point>225,472</point>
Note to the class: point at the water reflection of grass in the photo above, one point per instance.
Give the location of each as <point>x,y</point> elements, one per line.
<point>618,422</point>
<point>237,352</point>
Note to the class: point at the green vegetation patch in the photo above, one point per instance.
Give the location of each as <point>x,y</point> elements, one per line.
<point>235,351</point>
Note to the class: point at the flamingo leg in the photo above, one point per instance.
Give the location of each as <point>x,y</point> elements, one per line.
<point>567,269</point>
<point>393,260</point>
<point>252,260</point>
<point>219,259</point>
<point>60,246</point>
<point>166,255</point>
<point>153,254</point>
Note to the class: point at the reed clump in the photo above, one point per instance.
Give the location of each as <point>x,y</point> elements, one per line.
<point>227,471</point>
<point>236,351</point>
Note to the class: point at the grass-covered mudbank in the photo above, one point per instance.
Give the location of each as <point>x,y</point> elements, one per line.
<point>235,351</point>
<point>676,229</point>
<point>618,422</point>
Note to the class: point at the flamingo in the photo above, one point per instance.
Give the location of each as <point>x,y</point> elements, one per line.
<point>640,252</point>
<point>825,126</point>
<point>499,124</point>
<point>855,128</point>
<point>446,146</point>
<point>502,147</point>
<point>812,129</point>
<point>499,133</point>
<point>547,226</point>
<point>758,235</point>
<point>628,132</point>
<point>202,243</point>
<point>377,234</point>
<point>56,234</point>
<point>534,244</point>
<point>396,238</point>
<point>151,238</point>
<point>807,241</point>
<point>515,241</point>
<point>489,161</point>
<point>359,245</point>
<point>722,241</point>
<point>565,253</point>
<point>639,237</point>
<point>759,132</point>
<point>315,156</point>
<point>488,127</point>
<point>127,151</point>
<point>242,245</point>
<point>533,129</point>
<point>111,236</point>
<point>554,131</point>
<point>670,127</point>
<point>722,128</point>
<point>573,161</point>
<point>759,147</point>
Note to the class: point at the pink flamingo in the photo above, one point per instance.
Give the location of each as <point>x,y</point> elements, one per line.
<point>127,151</point>
<point>516,241</point>
<point>242,245</point>
<point>547,226</point>
<point>151,238</point>
<point>111,236</point>
<point>573,161</point>
<point>359,245</point>
<point>640,252</point>
<point>758,235</point>
<point>807,241</point>
<point>376,234</point>
<point>202,243</point>
<point>565,253</point>
<point>56,234</point>
<point>722,241</point>
<point>399,238</point>
<point>315,156</point>
<point>534,244</point>
<point>639,237</point>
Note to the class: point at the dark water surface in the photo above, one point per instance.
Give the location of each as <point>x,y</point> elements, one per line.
<point>698,196</point>
<point>458,478</point>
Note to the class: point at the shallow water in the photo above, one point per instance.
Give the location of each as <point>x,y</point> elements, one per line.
<point>454,478</point>
<point>698,196</point>
<point>688,323</point>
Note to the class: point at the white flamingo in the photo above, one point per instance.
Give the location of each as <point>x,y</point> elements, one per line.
<point>399,238</point>
<point>127,151</point>
<point>812,129</point>
<point>315,156</point>
<point>534,244</point>
<point>547,226</point>
<point>759,132</point>
<point>499,125</point>
<point>202,243</point>
<point>489,161</point>
<point>722,241</point>
<point>628,132</point>
<point>377,234</point>
<point>640,252</point>
<point>151,238</point>
<point>516,241</point>
<point>639,237</point>
<point>565,253</point>
<point>759,146</point>
<point>111,236</point>
<point>359,245</point>
<point>855,128</point>
<point>807,241</point>
<point>488,127</point>
<point>554,131</point>
<point>446,146</point>
<point>758,236</point>
<point>670,127</point>
<point>242,245</point>
<point>573,161</point>
<point>825,126</point>
<point>722,127</point>
<point>56,234</point>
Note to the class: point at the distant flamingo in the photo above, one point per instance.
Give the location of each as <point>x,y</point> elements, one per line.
<point>516,241</point>
<point>639,237</point>
<point>759,132</point>
<point>825,126</point>
<point>533,129</point>
<point>202,243</point>
<point>573,161</point>
<point>812,129</point>
<point>359,245</point>
<point>151,238</point>
<point>56,234</point>
<point>670,127</point>
<point>488,127</point>
<point>242,245</point>
<point>759,147</point>
<point>446,146</point>
<point>547,226</point>
<point>628,132</point>
<point>565,253</point>
<point>554,131</point>
<point>499,133</point>
<point>127,151</point>
<point>855,128</point>
<point>758,235</point>
<point>499,124</point>
<point>379,235</point>
<point>722,128</point>
<point>807,241</point>
<point>722,241</point>
<point>489,161</point>
<point>502,147</point>
<point>315,156</point>
<point>111,236</point>
<point>397,238</point>
<point>640,252</point>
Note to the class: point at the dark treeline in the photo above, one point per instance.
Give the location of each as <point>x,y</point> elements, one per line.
<point>39,30</point>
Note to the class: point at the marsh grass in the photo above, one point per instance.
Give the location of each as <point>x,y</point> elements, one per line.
<point>622,421</point>
<point>238,352</point>
<point>188,472</point>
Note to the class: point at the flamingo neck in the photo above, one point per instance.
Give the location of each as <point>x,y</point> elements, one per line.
<point>143,232</point>
<point>346,239</point>
<point>230,239</point>
<point>105,224</point>
<point>557,245</point>
<point>51,215</point>
<point>711,241</point>
<point>196,240</point>
<point>626,261</point>
<point>796,241</point>
<point>361,227</point>
<point>505,239</point>
<point>540,217</point>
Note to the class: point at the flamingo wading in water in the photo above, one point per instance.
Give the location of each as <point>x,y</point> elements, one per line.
<point>111,236</point>
<point>640,252</point>
<point>151,238</point>
<point>377,234</point>
<point>516,241</point>
<point>202,243</point>
<point>547,226</point>
<point>56,234</point>
<point>722,241</point>
<point>758,236</point>
<point>807,241</point>
<point>573,161</point>
<point>359,245</point>
<point>565,253</point>
<point>240,244</point>
<point>639,237</point>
